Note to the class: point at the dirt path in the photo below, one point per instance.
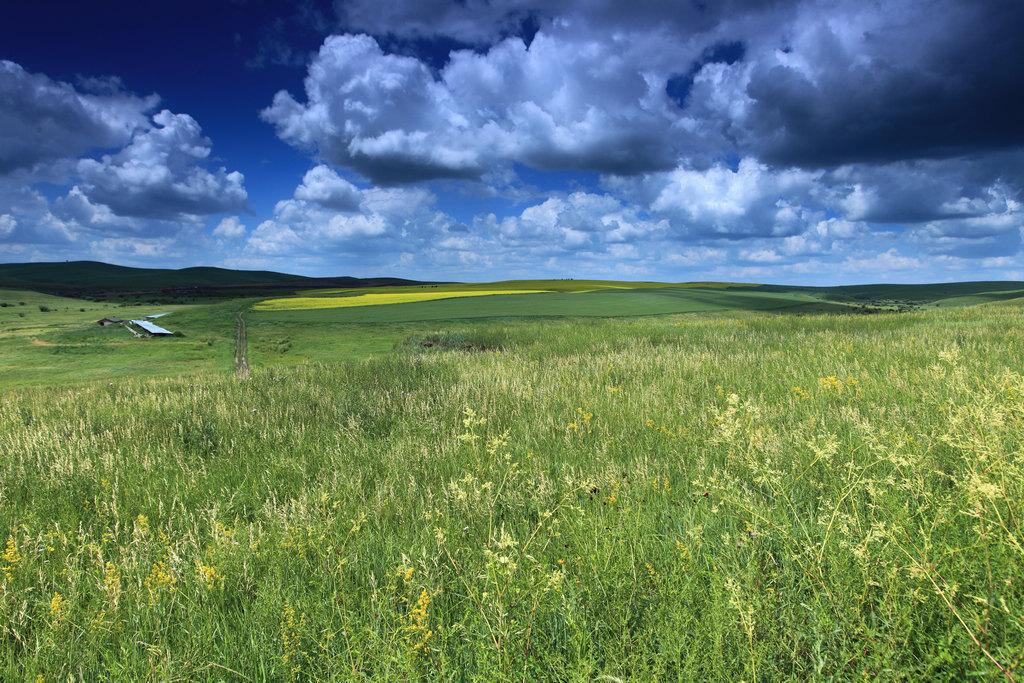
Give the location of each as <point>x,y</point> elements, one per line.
<point>241,365</point>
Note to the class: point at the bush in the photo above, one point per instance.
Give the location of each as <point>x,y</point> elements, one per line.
<point>44,309</point>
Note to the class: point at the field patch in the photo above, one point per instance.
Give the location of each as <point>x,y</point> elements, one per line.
<point>371,299</point>
<point>607,302</point>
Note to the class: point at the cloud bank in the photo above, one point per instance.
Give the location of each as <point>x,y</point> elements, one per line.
<point>774,140</point>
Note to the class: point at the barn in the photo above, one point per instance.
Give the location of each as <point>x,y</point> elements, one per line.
<point>151,328</point>
<point>109,321</point>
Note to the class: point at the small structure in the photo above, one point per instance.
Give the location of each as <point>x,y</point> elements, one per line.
<point>109,321</point>
<point>155,316</point>
<point>151,328</point>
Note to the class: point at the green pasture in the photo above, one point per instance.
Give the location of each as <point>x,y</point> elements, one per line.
<point>512,286</point>
<point>63,345</point>
<point>609,302</point>
<point>732,495</point>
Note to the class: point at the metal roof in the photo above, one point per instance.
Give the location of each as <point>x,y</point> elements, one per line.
<point>155,315</point>
<point>150,327</point>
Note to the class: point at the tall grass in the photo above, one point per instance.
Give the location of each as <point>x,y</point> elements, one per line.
<point>732,497</point>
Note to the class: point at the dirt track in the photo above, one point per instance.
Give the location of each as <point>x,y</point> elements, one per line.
<point>241,365</point>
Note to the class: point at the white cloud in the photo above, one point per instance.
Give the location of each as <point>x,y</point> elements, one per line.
<point>596,222</point>
<point>566,102</point>
<point>230,228</point>
<point>750,200</point>
<point>690,257</point>
<point>160,175</point>
<point>367,227</point>
<point>321,185</point>
<point>7,225</point>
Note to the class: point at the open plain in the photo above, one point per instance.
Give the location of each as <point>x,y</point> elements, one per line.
<point>747,491</point>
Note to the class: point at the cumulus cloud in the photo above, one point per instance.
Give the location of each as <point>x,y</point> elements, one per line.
<point>230,228</point>
<point>369,224</point>
<point>43,120</point>
<point>159,175</point>
<point>751,199</point>
<point>322,185</point>
<point>580,221</point>
<point>153,188</point>
<point>562,103</point>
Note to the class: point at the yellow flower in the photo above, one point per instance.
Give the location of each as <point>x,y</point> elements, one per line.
<point>11,556</point>
<point>209,576</point>
<point>58,610</point>
<point>419,631</point>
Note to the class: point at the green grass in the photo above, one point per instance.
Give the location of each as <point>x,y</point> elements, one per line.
<point>64,345</point>
<point>719,496</point>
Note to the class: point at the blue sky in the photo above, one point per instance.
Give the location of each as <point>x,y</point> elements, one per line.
<point>785,141</point>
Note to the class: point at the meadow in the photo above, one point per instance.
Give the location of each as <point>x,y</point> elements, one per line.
<point>728,495</point>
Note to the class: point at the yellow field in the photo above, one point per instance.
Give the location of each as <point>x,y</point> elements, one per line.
<point>374,299</point>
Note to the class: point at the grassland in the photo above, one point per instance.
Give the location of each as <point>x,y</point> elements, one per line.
<point>62,345</point>
<point>730,495</point>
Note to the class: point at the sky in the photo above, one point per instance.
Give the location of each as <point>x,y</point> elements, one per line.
<point>805,142</point>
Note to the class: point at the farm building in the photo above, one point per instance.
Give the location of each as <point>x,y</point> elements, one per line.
<point>155,316</point>
<point>151,328</point>
<point>109,321</point>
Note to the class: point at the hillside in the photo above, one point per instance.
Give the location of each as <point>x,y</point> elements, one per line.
<point>92,278</point>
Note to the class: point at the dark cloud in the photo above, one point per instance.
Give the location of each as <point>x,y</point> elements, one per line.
<point>486,22</point>
<point>42,120</point>
<point>679,85</point>
<point>948,86</point>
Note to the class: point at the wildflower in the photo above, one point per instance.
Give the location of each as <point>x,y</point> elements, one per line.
<point>11,557</point>
<point>209,576</point>
<point>111,582</point>
<point>831,383</point>
<point>160,581</point>
<point>58,611</point>
<point>291,632</point>
<point>419,631</point>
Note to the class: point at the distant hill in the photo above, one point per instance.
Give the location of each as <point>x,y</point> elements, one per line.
<point>937,294</point>
<point>92,278</point>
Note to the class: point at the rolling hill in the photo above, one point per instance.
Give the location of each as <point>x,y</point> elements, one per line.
<point>92,278</point>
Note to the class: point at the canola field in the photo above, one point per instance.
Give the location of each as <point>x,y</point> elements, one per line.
<point>371,298</point>
<point>736,496</point>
